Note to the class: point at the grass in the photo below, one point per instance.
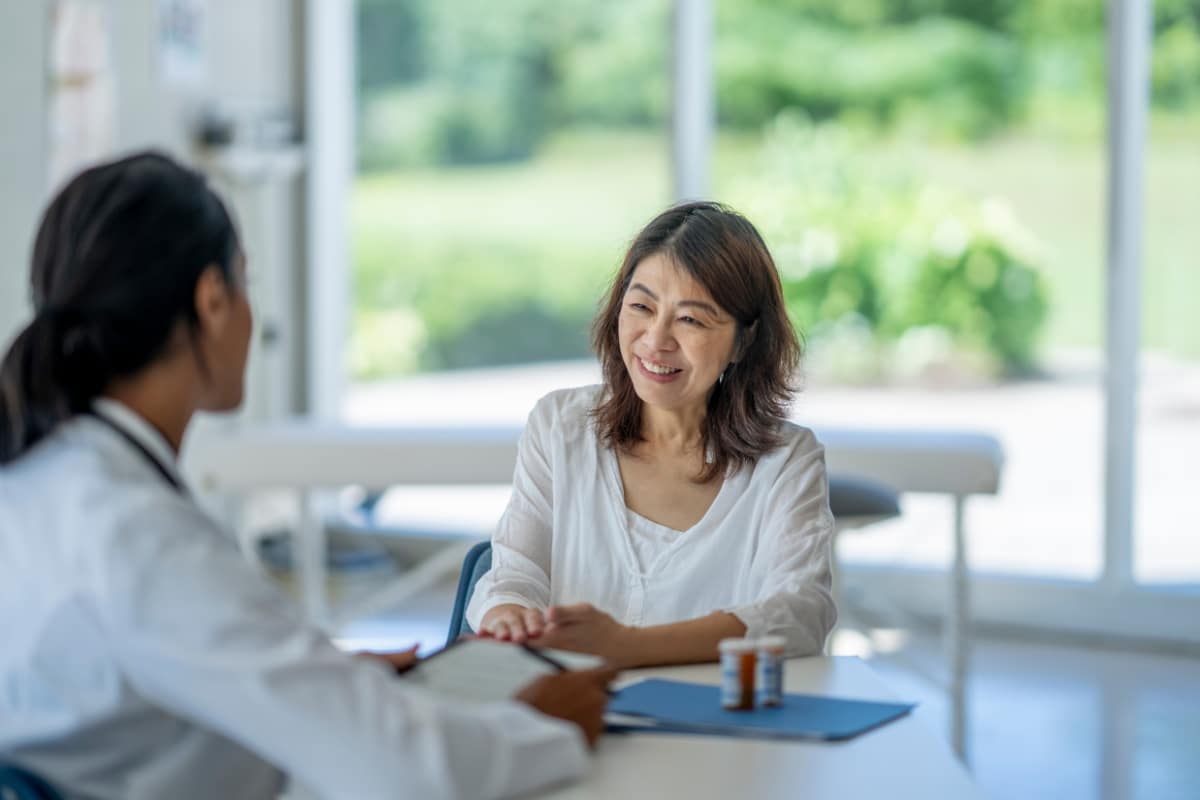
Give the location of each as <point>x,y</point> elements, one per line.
<point>584,195</point>
<point>429,242</point>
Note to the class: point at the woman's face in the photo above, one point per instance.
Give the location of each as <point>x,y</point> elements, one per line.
<point>675,340</point>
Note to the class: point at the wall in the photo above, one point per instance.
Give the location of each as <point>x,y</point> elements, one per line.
<point>253,63</point>
<point>22,156</point>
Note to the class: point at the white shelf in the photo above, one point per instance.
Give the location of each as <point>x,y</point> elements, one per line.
<point>253,165</point>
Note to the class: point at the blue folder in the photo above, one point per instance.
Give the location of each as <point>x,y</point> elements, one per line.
<point>658,705</point>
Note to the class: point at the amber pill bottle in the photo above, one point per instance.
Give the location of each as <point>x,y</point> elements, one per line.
<point>738,667</point>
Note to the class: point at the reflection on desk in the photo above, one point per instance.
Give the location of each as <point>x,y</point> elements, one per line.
<point>900,760</point>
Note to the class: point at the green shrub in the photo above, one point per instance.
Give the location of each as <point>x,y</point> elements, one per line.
<point>426,304</point>
<point>500,116</point>
<point>618,73</point>
<point>871,256</point>
<point>518,332</point>
<point>981,293</point>
<point>956,76</point>
<point>1175,67</point>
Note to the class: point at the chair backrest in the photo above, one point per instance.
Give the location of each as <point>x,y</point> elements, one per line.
<point>856,502</point>
<point>477,562</point>
<point>18,783</point>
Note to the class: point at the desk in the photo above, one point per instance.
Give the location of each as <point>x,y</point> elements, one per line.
<point>902,759</point>
<point>308,456</point>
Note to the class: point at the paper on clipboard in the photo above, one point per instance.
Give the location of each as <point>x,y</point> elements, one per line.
<point>487,671</point>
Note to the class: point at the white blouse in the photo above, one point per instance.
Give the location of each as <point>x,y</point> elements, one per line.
<point>143,658</point>
<point>761,551</point>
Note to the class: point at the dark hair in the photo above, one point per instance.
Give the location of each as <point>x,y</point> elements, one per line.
<point>115,266</point>
<point>723,252</point>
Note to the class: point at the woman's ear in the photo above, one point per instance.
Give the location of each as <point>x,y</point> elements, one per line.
<point>745,338</point>
<point>212,300</point>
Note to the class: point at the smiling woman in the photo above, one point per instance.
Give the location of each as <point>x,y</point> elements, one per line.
<point>694,253</point>
<point>674,505</point>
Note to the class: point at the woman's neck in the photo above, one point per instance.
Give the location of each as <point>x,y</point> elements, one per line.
<point>163,395</point>
<point>673,430</point>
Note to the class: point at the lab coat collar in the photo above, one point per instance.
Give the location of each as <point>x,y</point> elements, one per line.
<point>132,423</point>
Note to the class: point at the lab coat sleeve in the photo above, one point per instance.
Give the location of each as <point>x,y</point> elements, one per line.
<point>795,600</point>
<point>521,545</point>
<point>197,632</point>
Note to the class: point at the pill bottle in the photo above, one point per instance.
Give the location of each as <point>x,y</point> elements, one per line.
<point>738,657</point>
<point>770,670</point>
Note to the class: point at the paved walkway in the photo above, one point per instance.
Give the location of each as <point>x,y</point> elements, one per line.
<point>1048,518</point>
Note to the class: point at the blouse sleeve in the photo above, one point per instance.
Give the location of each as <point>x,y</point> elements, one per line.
<point>796,600</point>
<point>520,570</point>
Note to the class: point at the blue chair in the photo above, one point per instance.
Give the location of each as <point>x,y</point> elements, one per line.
<point>856,502</point>
<point>477,562</point>
<point>17,783</point>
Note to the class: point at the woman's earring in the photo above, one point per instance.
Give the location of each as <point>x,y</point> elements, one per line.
<point>721,377</point>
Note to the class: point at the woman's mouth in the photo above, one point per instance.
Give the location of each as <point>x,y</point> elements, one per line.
<point>656,371</point>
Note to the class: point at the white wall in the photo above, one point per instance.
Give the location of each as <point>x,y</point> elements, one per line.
<point>22,154</point>
<point>253,63</point>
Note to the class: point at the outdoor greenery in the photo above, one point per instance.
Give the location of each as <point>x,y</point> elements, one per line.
<point>929,173</point>
<point>447,260</point>
<point>863,251</point>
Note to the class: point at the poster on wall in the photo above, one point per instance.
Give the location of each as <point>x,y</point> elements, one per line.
<point>182,46</point>
<point>82,107</point>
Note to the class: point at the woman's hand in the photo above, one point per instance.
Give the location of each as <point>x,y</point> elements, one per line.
<point>579,697</point>
<point>584,628</point>
<point>513,623</point>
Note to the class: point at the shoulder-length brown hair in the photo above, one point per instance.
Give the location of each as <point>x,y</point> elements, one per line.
<point>722,251</point>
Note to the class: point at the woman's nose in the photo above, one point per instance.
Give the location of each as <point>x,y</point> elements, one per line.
<point>658,334</point>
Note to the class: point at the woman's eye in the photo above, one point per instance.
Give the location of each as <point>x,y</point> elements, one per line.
<point>690,320</point>
<point>638,307</point>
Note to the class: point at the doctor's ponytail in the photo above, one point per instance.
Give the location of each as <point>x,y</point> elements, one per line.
<point>115,266</point>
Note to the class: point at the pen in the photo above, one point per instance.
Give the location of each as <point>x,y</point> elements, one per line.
<point>554,662</point>
<point>558,665</point>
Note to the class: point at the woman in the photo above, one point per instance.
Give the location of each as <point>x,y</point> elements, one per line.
<point>674,505</point>
<point>142,657</point>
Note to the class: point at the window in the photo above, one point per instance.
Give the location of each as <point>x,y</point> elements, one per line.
<point>504,160</point>
<point>941,223</point>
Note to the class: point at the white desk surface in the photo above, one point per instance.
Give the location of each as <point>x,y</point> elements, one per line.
<point>899,760</point>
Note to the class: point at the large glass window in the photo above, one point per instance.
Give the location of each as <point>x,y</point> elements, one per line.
<point>505,157</point>
<point>932,178</point>
<point>1166,546</point>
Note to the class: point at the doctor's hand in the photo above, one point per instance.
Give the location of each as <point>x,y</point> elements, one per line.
<point>584,628</point>
<point>513,623</point>
<point>579,697</point>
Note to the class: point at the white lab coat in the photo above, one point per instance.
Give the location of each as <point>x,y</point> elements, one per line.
<point>143,658</point>
<point>761,551</point>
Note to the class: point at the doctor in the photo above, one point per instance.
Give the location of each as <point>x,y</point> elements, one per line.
<point>141,657</point>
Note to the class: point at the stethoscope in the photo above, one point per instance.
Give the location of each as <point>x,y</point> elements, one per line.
<point>153,460</point>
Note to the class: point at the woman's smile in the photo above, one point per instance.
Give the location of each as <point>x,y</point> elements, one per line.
<point>655,371</point>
